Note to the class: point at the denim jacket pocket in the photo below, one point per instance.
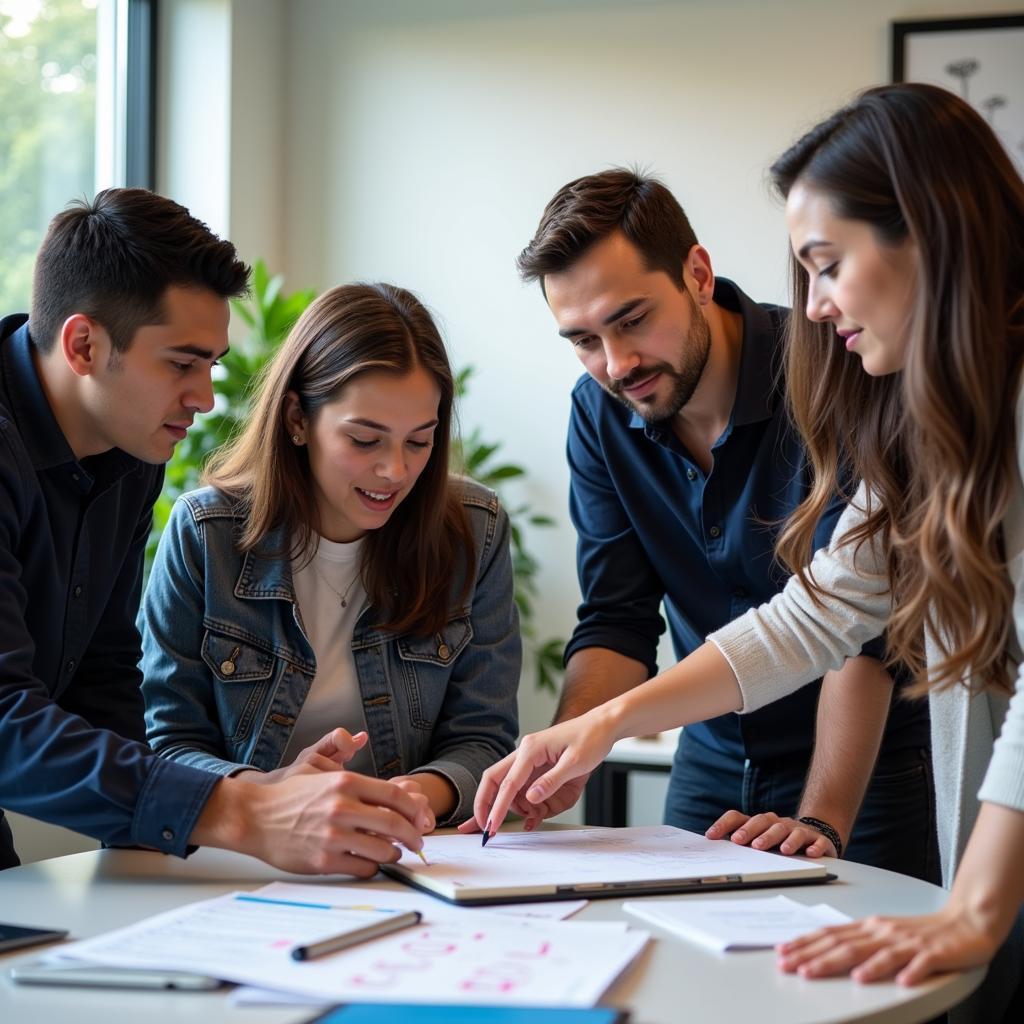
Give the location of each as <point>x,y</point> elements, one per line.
<point>427,663</point>
<point>241,674</point>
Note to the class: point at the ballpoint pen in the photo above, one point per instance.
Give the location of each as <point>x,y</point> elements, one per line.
<point>357,935</point>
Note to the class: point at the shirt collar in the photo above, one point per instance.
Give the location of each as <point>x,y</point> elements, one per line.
<point>40,433</point>
<point>38,428</point>
<point>757,392</point>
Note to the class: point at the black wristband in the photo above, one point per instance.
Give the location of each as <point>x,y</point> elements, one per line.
<point>826,830</point>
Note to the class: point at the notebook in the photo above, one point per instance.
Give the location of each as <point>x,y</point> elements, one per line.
<point>593,863</point>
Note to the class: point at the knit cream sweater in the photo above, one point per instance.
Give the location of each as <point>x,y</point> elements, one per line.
<point>790,641</point>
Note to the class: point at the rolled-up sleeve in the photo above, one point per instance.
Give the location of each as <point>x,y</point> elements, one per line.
<point>621,591</point>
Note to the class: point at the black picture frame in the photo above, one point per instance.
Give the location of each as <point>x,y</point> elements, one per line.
<point>974,57</point>
<point>901,30</point>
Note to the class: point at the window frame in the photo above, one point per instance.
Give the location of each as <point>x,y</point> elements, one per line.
<point>140,94</point>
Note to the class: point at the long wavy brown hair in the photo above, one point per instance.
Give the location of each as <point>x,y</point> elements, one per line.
<point>410,564</point>
<point>935,443</point>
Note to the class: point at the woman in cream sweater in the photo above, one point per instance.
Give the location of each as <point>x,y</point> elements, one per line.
<point>906,218</point>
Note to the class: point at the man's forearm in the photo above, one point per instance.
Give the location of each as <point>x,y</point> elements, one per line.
<point>852,710</point>
<point>593,676</point>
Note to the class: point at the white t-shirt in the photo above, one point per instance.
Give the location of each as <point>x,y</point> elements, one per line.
<point>334,698</point>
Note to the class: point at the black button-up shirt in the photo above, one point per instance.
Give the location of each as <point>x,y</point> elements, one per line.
<point>72,539</point>
<point>652,526</point>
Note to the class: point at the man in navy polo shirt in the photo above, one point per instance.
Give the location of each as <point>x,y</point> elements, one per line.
<point>683,464</point>
<point>129,313</point>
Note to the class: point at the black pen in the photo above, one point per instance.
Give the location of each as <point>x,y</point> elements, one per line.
<point>487,833</point>
<point>357,935</point>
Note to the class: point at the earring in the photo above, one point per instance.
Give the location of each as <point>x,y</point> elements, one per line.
<point>295,439</point>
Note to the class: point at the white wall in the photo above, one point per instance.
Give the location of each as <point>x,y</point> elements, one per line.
<point>423,140</point>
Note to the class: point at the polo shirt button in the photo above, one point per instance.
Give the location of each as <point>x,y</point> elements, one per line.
<point>168,834</point>
<point>70,665</point>
<point>78,591</point>
<point>715,531</point>
<point>691,474</point>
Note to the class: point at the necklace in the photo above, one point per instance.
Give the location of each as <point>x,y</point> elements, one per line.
<point>341,595</point>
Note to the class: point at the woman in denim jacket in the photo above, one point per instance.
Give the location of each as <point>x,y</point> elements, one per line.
<point>334,597</point>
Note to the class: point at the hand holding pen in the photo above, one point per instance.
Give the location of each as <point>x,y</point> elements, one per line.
<point>548,769</point>
<point>315,823</point>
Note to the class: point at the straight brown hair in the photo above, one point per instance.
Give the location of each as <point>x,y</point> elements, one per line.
<point>410,564</point>
<point>935,443</point>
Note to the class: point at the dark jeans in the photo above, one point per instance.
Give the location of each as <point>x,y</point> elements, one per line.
<point>894,830</point>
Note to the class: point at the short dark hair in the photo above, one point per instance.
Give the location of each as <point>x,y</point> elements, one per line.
<point>114,258</point>
<point>591,208</point>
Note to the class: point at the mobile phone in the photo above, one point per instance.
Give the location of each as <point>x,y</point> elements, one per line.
<point>13,936</point>
<point>375,1013</point>
<point>97,976</point>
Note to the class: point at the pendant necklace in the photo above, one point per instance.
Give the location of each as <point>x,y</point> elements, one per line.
<point>341,595</point>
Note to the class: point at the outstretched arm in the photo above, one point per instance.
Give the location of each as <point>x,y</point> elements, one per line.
<point>593,676</point>
<point>699,687</point>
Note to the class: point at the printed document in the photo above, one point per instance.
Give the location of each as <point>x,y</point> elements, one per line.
<point>737,924</point>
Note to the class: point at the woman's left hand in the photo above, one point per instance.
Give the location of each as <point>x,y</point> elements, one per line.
<point>908,949</point>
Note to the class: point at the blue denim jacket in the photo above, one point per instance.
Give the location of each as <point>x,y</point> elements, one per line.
<point>227,666</point>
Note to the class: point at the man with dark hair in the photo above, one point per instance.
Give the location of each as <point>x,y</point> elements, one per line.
<point>129,314</point>
<point>683,464</point>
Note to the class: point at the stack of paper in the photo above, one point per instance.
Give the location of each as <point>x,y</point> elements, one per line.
<point>737,924</point>
<point>452,956</point>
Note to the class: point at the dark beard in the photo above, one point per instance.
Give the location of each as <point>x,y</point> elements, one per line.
<point>685,377</point>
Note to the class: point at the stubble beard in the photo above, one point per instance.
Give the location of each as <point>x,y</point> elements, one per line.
<point>685,377</point>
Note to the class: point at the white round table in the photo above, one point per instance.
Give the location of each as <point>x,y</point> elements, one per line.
<point>672,981</point>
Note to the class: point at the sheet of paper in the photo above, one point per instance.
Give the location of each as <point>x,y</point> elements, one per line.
<point>472,959</point>
<point>432,910</point>
<point>736,924</point>
<point>579,856</point>
<point>428,906</point>
<point>250,995</point>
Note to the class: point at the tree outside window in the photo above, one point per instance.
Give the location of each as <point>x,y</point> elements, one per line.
<point>48,69</point>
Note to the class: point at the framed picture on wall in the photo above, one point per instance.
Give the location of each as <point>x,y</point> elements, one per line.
<point>980,59</point>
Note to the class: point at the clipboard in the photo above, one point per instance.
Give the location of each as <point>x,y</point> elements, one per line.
<point>598,863</point>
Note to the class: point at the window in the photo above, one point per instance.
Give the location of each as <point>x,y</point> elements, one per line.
<point>73,75</point>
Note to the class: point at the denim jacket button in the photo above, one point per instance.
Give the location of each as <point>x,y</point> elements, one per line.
<point>227,667</point>
<point>442,650</point>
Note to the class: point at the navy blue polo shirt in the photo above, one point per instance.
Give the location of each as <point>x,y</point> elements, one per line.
<point>653,527</point>
<point>72,540</point>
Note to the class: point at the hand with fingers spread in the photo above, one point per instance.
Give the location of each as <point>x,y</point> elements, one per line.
<point>533,776</point>
<point>768,832</point>
<point>909,949</point>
